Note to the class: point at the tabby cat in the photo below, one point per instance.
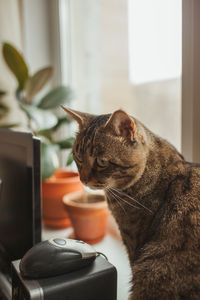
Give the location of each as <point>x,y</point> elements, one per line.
<point>154,195</point>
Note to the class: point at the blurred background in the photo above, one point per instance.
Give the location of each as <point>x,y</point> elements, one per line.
<point>113,54</point>
<point>95,56</point>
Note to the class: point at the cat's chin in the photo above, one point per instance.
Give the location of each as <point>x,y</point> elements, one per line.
<point>94,187</point>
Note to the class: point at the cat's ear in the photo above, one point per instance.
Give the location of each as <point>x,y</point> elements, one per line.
<point>80,117</point>
<point>121,125</point>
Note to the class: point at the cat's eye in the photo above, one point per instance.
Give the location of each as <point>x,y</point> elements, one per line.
<point>102,163</point>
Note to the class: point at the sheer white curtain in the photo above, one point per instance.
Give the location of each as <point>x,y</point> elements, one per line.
<point>80,51</point>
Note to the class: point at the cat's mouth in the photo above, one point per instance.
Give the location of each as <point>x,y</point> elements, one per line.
<point>95,186</point>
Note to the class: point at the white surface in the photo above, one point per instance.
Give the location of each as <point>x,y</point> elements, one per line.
<point>115,252</point>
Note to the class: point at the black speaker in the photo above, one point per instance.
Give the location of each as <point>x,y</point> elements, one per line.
<point>96,282</point>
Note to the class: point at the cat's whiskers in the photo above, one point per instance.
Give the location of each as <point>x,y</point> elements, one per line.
<point>110,196</point>
<point>121,199</point>
<point>117,201</point>
<point>131,198</point>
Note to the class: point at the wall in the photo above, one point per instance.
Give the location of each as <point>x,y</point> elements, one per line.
<point>10,31</point>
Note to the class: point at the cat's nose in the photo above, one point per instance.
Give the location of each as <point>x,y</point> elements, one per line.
<point>85,177</point>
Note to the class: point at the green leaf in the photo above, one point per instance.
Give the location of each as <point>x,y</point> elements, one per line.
<point>16,63</point>
<point>48,132</point>
<point>19,95</point>
<point>58,96</point>
<point>36,82</point>
<point>45,133</point>
<point>35,101</point>
<point>49,159</point>
<point>62,121</point>
<point>7,126</point>
<point>66,144</point>
<point>43,119</point>
<point>2,93</point>
<point>70,159</point>
<point>3,108</point>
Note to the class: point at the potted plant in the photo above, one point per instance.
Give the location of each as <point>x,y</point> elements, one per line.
<point>3,112</point>
<point>88,214</point>
<point>53,189</point>
<point>45,121</point>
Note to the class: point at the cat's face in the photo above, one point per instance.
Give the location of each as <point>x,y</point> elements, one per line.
<point>109,150</point>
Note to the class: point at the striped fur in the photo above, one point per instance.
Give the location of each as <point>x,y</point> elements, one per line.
<point>154,195</point>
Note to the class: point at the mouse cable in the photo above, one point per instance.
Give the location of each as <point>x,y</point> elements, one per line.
<point>100,253</point>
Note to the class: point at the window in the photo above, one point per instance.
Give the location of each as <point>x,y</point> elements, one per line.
<point>126,54</point>
<point>154,40</point>
<point>155,65</point>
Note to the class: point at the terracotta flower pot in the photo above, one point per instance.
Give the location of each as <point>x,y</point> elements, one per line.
<point>53,189</point>
<point>88,214</point>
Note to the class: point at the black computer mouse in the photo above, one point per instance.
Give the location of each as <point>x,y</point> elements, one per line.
<point>55,257</point>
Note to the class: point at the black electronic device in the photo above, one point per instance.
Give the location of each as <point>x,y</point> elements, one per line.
<point>0,188</point>
<point>55,257</point>
<point>96,281</point>
<point>20,202</point>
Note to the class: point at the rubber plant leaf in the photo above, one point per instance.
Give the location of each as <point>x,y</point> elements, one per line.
<point>49,159</point>
<point>16,64</point>
<point>3,108</point>
<point>70,159</point>
<point>56,97</point>
<point>36,82</point>
<point>8,126</point>
<point>62,121</point>
<point>46,133</point>
<point>66,144</point>
<point>2,93</point>
<point>43,119</point>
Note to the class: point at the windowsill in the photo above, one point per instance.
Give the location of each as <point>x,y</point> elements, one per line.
<point>112,247</point>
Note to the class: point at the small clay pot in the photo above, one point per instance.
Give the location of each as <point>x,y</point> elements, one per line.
<point>88,214</point>
<point>53,190</point>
